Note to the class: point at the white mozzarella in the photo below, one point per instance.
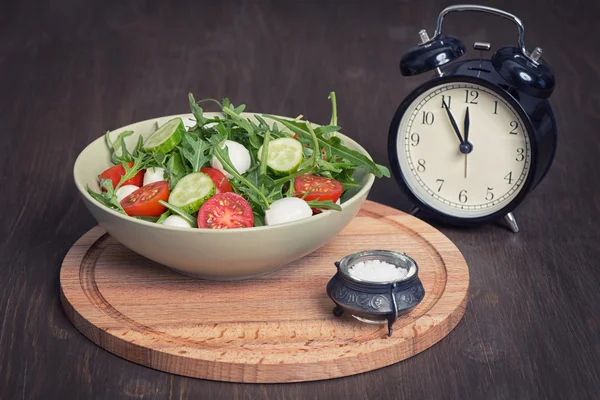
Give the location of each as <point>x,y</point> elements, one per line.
<point>154,175</point>
<point>239,156</point>
<point>125,191</point>
<point>176,220</point>
<point>286,210</point>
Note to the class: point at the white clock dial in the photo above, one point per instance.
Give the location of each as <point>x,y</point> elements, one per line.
<point>471,185</point>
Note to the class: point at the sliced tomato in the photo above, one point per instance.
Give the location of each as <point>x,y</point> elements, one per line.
<point>225,211</point>
<point>115,173</point>
<point>144,201</point>
<point>318,188</point>
<point>219,179</point>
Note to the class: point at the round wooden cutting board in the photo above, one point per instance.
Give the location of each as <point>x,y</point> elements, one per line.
<point>277,328</point>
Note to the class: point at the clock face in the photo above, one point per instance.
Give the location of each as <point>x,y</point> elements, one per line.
<point>464,177</point>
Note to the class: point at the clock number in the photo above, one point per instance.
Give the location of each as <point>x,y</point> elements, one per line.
<point>427,118</point>
<point>514,125</point>
<point>489,196</point>
<point>462,196</point>
<point>520,154</point>
<point>448,103</point>
<point>471,97</point>
<point>508,178</point>
<point>421,165</point>
<point>414,139</point>
<point>496,107</point>
<point>441,182</point>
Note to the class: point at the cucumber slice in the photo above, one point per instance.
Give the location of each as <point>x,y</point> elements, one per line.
<point>284,157</point>
<point>192,191</point>
<point>165,138</point>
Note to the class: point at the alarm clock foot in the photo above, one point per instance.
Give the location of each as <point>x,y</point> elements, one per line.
<point>511,222</point>
<point>415,210</point>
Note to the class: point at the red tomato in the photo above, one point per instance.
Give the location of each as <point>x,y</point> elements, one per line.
<point>144,201</point>
<point>225,211</point>
<point>219,179</point>
<point>320,188</point>
<point>115,173</point>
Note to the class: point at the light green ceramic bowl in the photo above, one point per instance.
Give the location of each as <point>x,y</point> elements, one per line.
<point>207,253</point>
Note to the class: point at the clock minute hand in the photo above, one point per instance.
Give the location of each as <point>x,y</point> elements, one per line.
<point>466,147</point>
<point>466,126</point>
<point>453,122</point>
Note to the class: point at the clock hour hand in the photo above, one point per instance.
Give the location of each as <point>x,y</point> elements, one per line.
<point>453,122</point>
<point>466,147</point>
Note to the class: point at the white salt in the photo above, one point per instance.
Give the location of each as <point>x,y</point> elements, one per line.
<point>377,271</point>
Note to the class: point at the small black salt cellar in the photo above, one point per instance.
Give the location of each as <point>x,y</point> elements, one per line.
<point>376,302</point>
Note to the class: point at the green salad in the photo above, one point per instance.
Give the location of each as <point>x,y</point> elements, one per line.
<point>231,171</point>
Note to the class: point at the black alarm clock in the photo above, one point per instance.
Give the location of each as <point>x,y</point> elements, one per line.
<point>470,144</point>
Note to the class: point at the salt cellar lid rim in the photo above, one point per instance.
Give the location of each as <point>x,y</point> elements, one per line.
<point>398,259</point>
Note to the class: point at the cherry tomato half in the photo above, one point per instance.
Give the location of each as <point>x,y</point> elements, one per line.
<point>144,201</point>
<point>219,179</point>
<point>320,188</point>
<point>225,211</point>
<point>115,173</point>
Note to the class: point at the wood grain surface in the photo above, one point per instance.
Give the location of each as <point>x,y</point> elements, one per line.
<point>70,70</point>
<point>277,328</point>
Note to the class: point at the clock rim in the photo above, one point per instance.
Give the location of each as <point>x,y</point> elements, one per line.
<point>399,175</point>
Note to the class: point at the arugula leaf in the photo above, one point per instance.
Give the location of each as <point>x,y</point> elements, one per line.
<point>197,111</point>
<point>130,172</point>
<point>222,154</point>
<point>259,220</point>
<point>327,130</point>
<point>176,210</point>
<point>163,216</point>
<point>240,109</point>
<point>148,219</point>
<point>241,122</point>
<point>139,147</point>
<point>327,166</point>
<point>265,153</point>
<point>158,158</point>
<point>107,197</point>
<point>315,147</point>
<point>336,148</point>
<point>175,169</point>
<point>333,108</point>
<point>276,193</point>
<point>222,129</point>
<point>119,144</point>
<point>324,205</point>
<point>253,196</point>
<point>346,179</point>
<point>196,151</point>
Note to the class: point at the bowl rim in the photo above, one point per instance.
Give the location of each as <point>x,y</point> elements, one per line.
<point>83,192</point>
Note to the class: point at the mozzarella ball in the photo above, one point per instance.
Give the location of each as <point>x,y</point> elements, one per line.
<point>286,210</point>
<point>176,220</point>
<point>125,191</point>
<point>152,175</point>
<point>239,156</point>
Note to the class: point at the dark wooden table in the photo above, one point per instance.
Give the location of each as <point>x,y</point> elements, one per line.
<point>70,70</point>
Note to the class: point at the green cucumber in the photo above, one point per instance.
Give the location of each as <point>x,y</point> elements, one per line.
<point>192,191</point>
<point>166,137</point>
<point>284,156</point>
